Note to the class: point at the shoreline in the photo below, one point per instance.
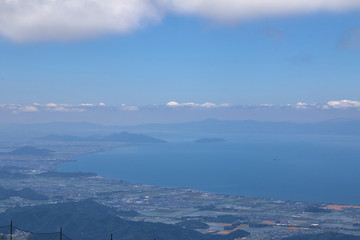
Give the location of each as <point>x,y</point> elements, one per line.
<point>187,187</point>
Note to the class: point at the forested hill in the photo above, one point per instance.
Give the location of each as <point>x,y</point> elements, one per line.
<point>25,193</point>
<point>89,220</point>
<point>324,236</point>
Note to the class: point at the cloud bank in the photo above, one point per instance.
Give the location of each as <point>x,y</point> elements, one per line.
<point>65,20</point>
<point>84,107</point>
<point>172,112</point>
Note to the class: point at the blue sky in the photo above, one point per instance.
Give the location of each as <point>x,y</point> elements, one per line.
<point>184,57</point>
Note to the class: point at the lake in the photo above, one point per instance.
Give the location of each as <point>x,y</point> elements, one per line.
<point>316,169</point>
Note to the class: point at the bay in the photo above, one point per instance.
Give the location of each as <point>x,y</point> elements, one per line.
<point>316,169</point>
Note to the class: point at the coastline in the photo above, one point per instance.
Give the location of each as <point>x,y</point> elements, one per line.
<point>144,183</point>
<point>120,165</point>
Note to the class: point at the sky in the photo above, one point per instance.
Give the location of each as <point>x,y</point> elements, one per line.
<point>198,55</point>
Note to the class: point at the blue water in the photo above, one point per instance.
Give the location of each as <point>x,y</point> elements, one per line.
<point>316,169</point>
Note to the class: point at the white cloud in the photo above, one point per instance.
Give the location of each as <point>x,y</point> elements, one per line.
<point>62,20</point>
<point>172,104</point>
<point>207,105</point>
<point>87,104</point>
<point>102,104</point>
<point>343,104</point>
<point>33,20</point>
<point>301,105</point>
<point>51,105</point>
<point>28,109</point>
<point>191,104</point>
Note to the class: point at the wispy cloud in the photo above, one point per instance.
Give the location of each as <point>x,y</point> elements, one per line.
<point>274,34</point>
<point>125,107</point>
<point>351,39</point>
<point>233,10</point>
<point>64,20</point>
<point>28,109</point>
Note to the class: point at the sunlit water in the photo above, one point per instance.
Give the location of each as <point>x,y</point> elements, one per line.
<point>319,169</point>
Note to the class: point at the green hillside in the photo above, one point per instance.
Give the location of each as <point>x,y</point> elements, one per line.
<point>324,236</point>
<point>89,220</point>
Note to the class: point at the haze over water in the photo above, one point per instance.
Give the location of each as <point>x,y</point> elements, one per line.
<point>316,169</point>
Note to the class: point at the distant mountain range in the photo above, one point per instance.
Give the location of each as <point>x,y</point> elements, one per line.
<point>234,127</point>
<point>117,137</point>
<point>206,128</point>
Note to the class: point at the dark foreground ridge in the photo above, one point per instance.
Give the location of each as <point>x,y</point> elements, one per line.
<point>89,220</point>
<point>11,232</point>
<point>324,236</point>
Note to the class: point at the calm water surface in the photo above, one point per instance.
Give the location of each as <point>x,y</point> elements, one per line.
<point>319,169</point>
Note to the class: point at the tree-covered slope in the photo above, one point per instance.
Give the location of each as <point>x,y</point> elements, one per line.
<point>90,220</point>
<point>324,236</point>
<point>25,193</point>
